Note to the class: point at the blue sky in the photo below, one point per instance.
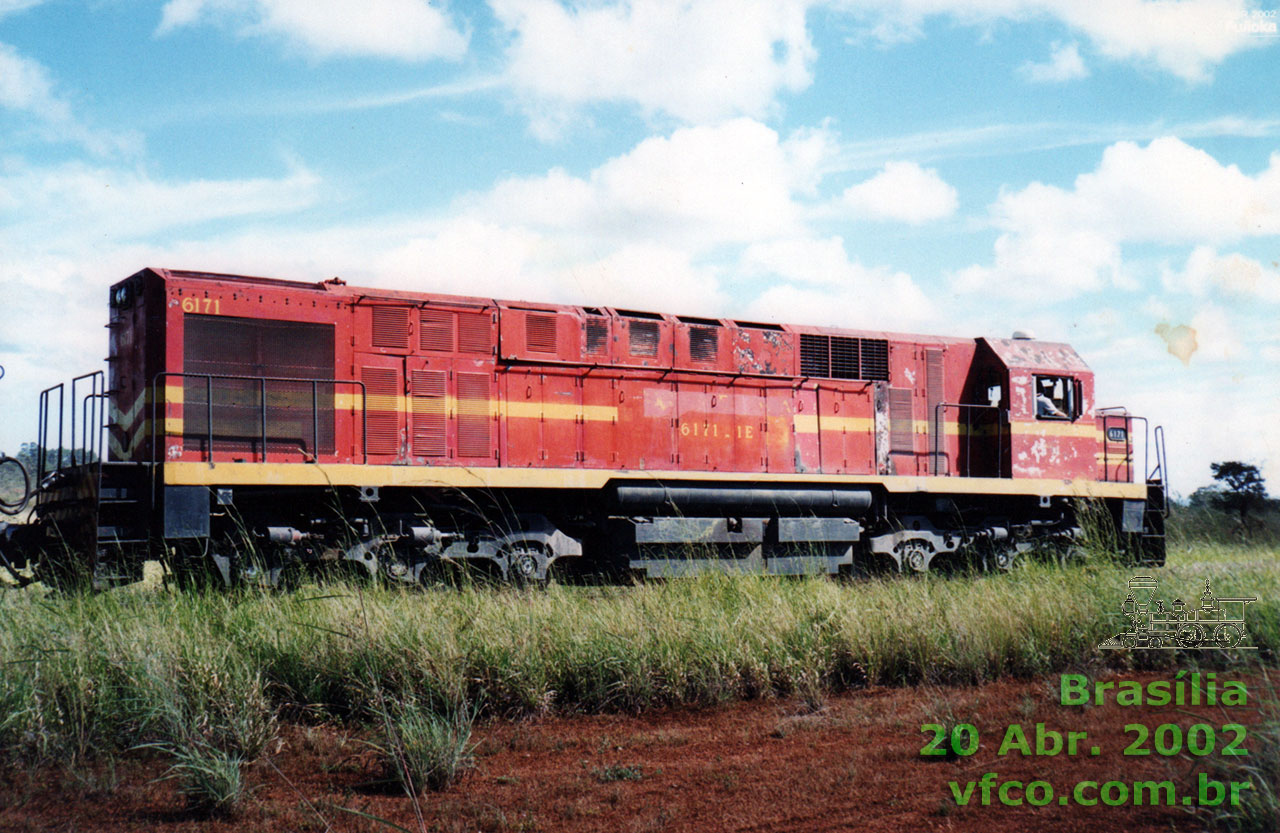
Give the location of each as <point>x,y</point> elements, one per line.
<point>1103,174</point>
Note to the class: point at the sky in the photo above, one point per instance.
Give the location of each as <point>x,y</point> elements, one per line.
<point>1105,174</point>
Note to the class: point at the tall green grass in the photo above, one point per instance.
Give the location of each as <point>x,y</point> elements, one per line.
<point>94,673</point>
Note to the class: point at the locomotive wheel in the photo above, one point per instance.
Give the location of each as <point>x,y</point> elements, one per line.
<point>1190,635</point>
<point>526,565</point>
<point>1003,558</point>
<point>1228,635</point>
<point>916,553</point>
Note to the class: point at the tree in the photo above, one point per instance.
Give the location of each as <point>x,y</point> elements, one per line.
<point>1244,489</point>
<point>1206,497</point>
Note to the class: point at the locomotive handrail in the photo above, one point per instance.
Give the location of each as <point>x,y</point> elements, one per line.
<point>938,412</point>
<point>96,410</point>
<point>90,443</point>
<point>42,428</point>
<point>97,386</point>
<point>784,380</point>
<point>1160,473</point>
<point>262,395</point>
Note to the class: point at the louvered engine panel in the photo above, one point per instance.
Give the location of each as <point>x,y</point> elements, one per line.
<point>704,343</point>
<point>901,422</point>
<point>935,415</point>
<point>875,359</point>
<point>390,327</point>
<point>644,338</point>
<point>227,346</point>
<point>382,402</point>
<point>475,332</point>
<point>540,332</point>
<point>435,330</point>
<point>475,437</point>
<point>815,355</point>
<point>597,336</point>
<point>429,393</point>
<point>844,357</point>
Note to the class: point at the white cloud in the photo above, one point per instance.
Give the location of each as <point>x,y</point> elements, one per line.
<point>1058,243</point>
<point>8,7</point>
<point>26,87</point>
<point>1064,64</point>
<point>411,30</point>
<point>699,187</point>
<point>75,201</point>
<point>901,191</point>
<point>815,282</point>
<point>1217,334</point>
<point>1050,264</point>
<point>1186,39</point>
<point>699,61</point>
<point>1235,276</point>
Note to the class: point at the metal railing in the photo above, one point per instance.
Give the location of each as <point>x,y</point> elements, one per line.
<point>157,436</point>
<point>1160,474</point>
<point>43,430</point>
<point>93,416</point>
<point>86,445</point>
<point>942,459</point>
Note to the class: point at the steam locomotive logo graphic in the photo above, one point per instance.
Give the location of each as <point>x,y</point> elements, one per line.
<point>1216,623</point>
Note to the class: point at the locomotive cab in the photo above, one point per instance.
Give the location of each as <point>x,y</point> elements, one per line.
<point>1046,393</point>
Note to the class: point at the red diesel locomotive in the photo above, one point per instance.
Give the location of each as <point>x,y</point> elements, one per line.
<point>253,426</point>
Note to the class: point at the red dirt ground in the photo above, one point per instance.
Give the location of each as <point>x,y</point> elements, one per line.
<point>758,766</point>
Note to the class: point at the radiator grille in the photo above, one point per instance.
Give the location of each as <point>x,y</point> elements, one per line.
<point>435,330</point>
<point>231,346</point>
<point>815,355</point>
<point>429,393</point>
<point>597,335</point>
<point>382,400</point>
<point>644,338</point>
<point>844,358</point>
<point>704,344</point>
<point>391,327</point>
<point>875,359</point>
<point>474,438</point>
<point>475,332</point>
<point>540,332</point>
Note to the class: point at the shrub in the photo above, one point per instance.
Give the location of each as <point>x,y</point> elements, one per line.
<point>425,749</point>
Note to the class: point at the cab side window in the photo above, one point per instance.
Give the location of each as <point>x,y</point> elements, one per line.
<point>1056,397</point>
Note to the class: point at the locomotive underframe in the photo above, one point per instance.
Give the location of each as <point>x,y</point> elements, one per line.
<point>271,535</point>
